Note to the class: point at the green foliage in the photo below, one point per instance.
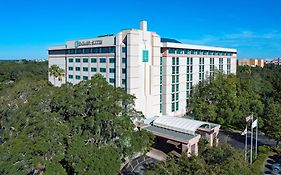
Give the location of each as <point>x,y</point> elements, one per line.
<point>258,165</point>
<point>217,160</point>
<point>90,159</point>
<point>225,100</point>
<point>85,128</point>
<point>12,72</point>
<point>56,71</point>
<point>276,149</point>
<point>264,149</point>
<point>273,121</point>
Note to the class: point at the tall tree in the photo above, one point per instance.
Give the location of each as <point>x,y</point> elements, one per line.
<point>225,99</point>
<point>85,128</point>
<point>272,127</point>
<point>217,160</point>
<point>57,72</point>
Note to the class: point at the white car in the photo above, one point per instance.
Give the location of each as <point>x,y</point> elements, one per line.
<point>276,169</point>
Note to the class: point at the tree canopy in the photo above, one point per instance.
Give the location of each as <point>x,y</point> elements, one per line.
<point>228,99</point>
<point>211,161</point>
<point>85,128</point>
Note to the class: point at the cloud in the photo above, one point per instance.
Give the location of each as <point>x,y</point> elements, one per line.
<point>248,43</point>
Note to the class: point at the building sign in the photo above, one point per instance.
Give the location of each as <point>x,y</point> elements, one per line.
<point>87,43</point>
<point>145,56</point>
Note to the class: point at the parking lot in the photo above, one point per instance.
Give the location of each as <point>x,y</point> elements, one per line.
<point>271,160</point>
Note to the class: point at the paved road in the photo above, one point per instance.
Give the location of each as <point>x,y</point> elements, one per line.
<point>237,140</point>
<point>138,165</point>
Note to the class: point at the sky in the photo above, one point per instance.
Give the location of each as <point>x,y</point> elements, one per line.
<point>253,27</point>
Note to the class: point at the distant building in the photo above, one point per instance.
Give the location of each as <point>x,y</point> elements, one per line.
<point>276,61</point>
<point>251,62</point>
<point>160,72</point>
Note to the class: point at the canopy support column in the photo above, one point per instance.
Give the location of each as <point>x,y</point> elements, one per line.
<point>196,149</point>
<point>211,139</point>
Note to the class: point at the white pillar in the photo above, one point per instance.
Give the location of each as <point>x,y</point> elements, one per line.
<point>196,149</point>
<point>189,150</point>
<point>217,141</point>
<point>184,148</point>
<point>211,139</point>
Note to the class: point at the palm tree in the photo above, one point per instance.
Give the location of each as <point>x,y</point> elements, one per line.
<point>57,72</point>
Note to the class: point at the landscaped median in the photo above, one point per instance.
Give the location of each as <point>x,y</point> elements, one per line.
<point>259,163</point>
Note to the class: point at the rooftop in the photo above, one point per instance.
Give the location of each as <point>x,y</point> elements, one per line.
<point>173,135</point>
<point>169,40</point>
<point>183,125</point>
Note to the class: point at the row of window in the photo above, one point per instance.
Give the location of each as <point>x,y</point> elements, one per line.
<point>124,60</point>
<point>78,77</point>
<point>189,76</point>
<point>93,69</point>
<point>161,81</point>
<point>97,50</point>
<point>189,60</point>
<point>201,68</point>
<point>196,52</point>
<point>83,51</point>
<point>175,70</point>
<point>175,84</point>
<point>94,60</point>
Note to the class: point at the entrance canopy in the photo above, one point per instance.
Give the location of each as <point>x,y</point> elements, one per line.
<point>171,135</point>
<point>185,131</point>
<point>182,125</point>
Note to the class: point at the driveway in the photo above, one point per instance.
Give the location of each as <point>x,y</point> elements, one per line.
<point>238,141</point>
<point>138,165</point>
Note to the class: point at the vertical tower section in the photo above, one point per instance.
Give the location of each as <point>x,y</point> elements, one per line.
<point>138,52</point>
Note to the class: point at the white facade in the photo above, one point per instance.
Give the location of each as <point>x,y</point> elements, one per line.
<point>151,68</point>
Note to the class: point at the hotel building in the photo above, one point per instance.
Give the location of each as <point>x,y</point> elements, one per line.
<point>160,72</point>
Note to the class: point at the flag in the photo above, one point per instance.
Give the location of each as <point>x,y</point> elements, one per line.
<point>244,132</point>
<point>248,118</point>
<point>255,123</point>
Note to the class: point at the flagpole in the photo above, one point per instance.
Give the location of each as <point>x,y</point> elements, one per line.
<point>246,146</point>
<point>251,153</point>
<point>256,155</point>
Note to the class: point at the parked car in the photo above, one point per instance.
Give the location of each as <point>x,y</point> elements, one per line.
<point>276,169</point>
